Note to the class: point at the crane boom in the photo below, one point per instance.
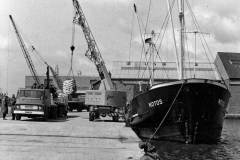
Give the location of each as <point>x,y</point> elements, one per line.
<point>57,81</point>
<point>25,53</point>
<point>93,52</point>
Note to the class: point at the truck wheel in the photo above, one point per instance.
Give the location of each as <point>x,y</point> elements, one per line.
<point>91,116</point>
<point>116,118</point>
<point>18,117</point>
<point>46,116</point>
<point>97,115</point>
<point>55,116</point>
<point>127,123</point>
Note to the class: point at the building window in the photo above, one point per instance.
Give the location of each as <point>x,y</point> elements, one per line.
<point>235,62</point>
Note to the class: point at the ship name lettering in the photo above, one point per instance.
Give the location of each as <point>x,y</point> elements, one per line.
<point>155,103</point>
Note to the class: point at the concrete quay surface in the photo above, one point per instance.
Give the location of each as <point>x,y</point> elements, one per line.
<point>73,139</point>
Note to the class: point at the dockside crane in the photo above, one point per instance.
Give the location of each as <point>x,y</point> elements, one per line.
<point>107,100</point>
<point>25,53</point>
<point>93,52</point>
<point>38,101</point>
<point>57,91</point>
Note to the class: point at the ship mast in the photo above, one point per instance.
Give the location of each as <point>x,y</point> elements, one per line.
<point>149,41</point>
<point>152,61</point>
<point>182,43</point>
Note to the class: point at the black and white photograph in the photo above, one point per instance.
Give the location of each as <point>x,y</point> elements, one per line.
<point>119,80</point>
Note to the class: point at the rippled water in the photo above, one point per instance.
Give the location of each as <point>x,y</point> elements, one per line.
<point>227,149</point>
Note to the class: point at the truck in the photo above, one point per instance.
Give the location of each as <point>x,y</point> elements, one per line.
<point>34,103</point>
<point>76,101</point>
<point>107,100</point>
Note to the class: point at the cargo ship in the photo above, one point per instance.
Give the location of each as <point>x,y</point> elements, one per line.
<point>188,110</point>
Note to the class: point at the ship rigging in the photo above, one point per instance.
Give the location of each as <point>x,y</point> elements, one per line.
<point>189,109</point>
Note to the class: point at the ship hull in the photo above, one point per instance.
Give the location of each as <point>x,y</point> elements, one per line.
<point>189,111</point>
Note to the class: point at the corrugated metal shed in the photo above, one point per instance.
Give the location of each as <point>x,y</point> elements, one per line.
<point>228,64</point>
<point>231,65</point>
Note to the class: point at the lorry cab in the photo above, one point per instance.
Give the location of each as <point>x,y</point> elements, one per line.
<point>31,102</point>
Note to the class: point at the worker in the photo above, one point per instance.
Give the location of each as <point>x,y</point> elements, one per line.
<point>13,106</point>
<point>4,108</point>
<point>126,113</point>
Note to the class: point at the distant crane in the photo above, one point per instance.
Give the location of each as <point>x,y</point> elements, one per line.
<point>106,100</point>
<point>26,53</point>
<point>93,52</point>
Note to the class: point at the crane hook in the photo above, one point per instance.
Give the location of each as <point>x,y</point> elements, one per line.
<point>72,48</point>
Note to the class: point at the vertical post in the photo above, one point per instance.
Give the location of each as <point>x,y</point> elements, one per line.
<point>152,54</point>
<point>151,51</point>
<point>153,64</point>
<point>182,44</point>
<point>195,53</point>
<point>48,78</point>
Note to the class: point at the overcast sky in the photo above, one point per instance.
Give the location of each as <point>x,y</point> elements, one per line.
<point>47,24</point>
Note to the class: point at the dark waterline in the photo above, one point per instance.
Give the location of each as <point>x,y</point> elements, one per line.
<point>227,149</point>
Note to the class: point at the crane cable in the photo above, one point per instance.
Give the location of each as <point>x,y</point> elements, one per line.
<point>40,58</point>
<point>71,84</point>
<point>130,43</point>
<point>72,48</point>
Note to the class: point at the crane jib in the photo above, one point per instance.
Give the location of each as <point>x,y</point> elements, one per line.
<point>93,52</point>
<point>25,53</point>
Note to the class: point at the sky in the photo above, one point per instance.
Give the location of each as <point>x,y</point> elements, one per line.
<point>47,25</point>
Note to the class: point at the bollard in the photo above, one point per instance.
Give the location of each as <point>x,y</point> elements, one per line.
<point>150,152</point>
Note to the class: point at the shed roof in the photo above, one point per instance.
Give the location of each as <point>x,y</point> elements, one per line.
<point>231,64</point>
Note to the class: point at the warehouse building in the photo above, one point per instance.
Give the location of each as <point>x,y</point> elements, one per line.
<point>83,82</point>
<point>131,76</point>
<point>229,65</point>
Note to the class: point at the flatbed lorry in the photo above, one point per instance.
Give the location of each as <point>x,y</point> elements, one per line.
<point>76,101</point>
<point>105,103</point>
<point>33,103</point>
